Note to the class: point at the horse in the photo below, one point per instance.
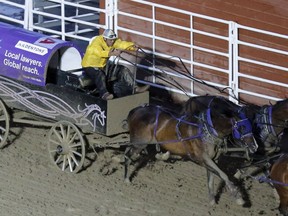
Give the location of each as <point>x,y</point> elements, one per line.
<point>269,121</point>
<point>203,103</point>
<point>268,125</point>
<point>270,129</point>
<point>195,137</point>
<point>279,178</point>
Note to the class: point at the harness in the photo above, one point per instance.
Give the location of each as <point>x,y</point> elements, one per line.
<point>206,130</point>
<point>263,121</point>
<point>180,120</point>
<point>265,178</point>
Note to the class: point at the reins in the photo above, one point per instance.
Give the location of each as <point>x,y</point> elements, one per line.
<point>174,83</point>
<point>265,178</point>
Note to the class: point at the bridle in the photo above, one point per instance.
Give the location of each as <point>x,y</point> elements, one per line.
<point>264,123</point>
<point>241,129</point>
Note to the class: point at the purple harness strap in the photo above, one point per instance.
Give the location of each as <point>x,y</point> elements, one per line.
<point>266,116</point>
<point>180,120</point>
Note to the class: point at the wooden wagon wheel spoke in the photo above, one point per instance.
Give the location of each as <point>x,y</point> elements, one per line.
<point>76,145</point>
<point>72,140</point>
<point>66,147</point>
<point>77,153</point>
<point>74,160</point>
<point>4,124</point>
<point>58,136</point>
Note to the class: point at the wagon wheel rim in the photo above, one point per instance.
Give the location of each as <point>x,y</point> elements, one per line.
<point>66,147</point>
<point>4,124</point>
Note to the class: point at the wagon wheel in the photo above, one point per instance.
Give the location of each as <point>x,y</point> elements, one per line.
<point>4,124</point>
<point>66,146</point>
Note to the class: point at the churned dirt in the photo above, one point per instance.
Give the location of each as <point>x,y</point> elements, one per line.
<point>31,185</point>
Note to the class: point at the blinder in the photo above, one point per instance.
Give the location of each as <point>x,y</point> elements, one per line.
<point>241,129</point>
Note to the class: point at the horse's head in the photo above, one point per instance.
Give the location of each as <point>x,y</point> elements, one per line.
<point>242,133</point>
<point>221,115</point>
<point>241,125</point>
<point>269,121</point>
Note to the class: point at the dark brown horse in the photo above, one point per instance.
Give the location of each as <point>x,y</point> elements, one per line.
<point>195,134</point>
<point>269,121</point>
<point>270,128</point>
<point>279,178</point>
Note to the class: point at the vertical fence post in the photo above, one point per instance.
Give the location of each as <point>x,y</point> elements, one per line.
<point>111,14</point>
<point>26,14</point>
<point>233,62</point>
<point>191,53</point>
<point>63,30</point>
<point>153,40</point>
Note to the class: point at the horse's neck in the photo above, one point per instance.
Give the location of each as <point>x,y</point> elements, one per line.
<point>280,116</point>
<point>222,125</point>
<point>251,111</point>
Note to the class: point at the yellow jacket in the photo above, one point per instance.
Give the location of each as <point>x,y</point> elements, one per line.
<point>97,52</point>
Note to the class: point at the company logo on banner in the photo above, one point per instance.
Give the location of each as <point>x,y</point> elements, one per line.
<point>31,48</point>
<point>48,42</point>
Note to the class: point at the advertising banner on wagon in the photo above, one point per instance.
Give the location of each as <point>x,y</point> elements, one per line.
<point>25,55</point>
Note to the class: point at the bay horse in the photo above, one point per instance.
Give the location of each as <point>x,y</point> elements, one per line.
<point>189,135</point>
<point>203,103</point>
<point>279,178</point>
<point>279,173</point>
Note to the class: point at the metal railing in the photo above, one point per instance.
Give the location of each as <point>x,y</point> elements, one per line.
<point>15,12</point>
<point>54,17</point>
<point>232,52</point>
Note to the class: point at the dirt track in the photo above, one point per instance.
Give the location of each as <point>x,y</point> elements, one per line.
<point>31,185</point>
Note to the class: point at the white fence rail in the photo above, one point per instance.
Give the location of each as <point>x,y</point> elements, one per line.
<point>237,73</point>
<point>14,12</point>
<point>76,19</point>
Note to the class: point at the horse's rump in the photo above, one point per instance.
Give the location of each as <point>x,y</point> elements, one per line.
<point>279,177</point>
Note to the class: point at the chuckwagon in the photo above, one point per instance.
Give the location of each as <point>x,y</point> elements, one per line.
<point>38,87</point>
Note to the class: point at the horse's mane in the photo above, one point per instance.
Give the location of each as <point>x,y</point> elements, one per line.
<point>280,103</point>
<point>219,106</point>
<point>223,105</point>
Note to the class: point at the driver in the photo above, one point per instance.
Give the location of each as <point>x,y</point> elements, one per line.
<point>96,56</point>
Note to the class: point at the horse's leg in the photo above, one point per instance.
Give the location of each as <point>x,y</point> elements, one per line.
<point>211,165</point>
<point>131,154</point>
<point>127,162</point>
<point>210,182</point>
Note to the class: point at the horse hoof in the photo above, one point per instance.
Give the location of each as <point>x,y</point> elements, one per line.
<point>127,181</point>
<point>240,201</point>
<point>118,159</point>
<point>238,174</point>
<point>212,201</point>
